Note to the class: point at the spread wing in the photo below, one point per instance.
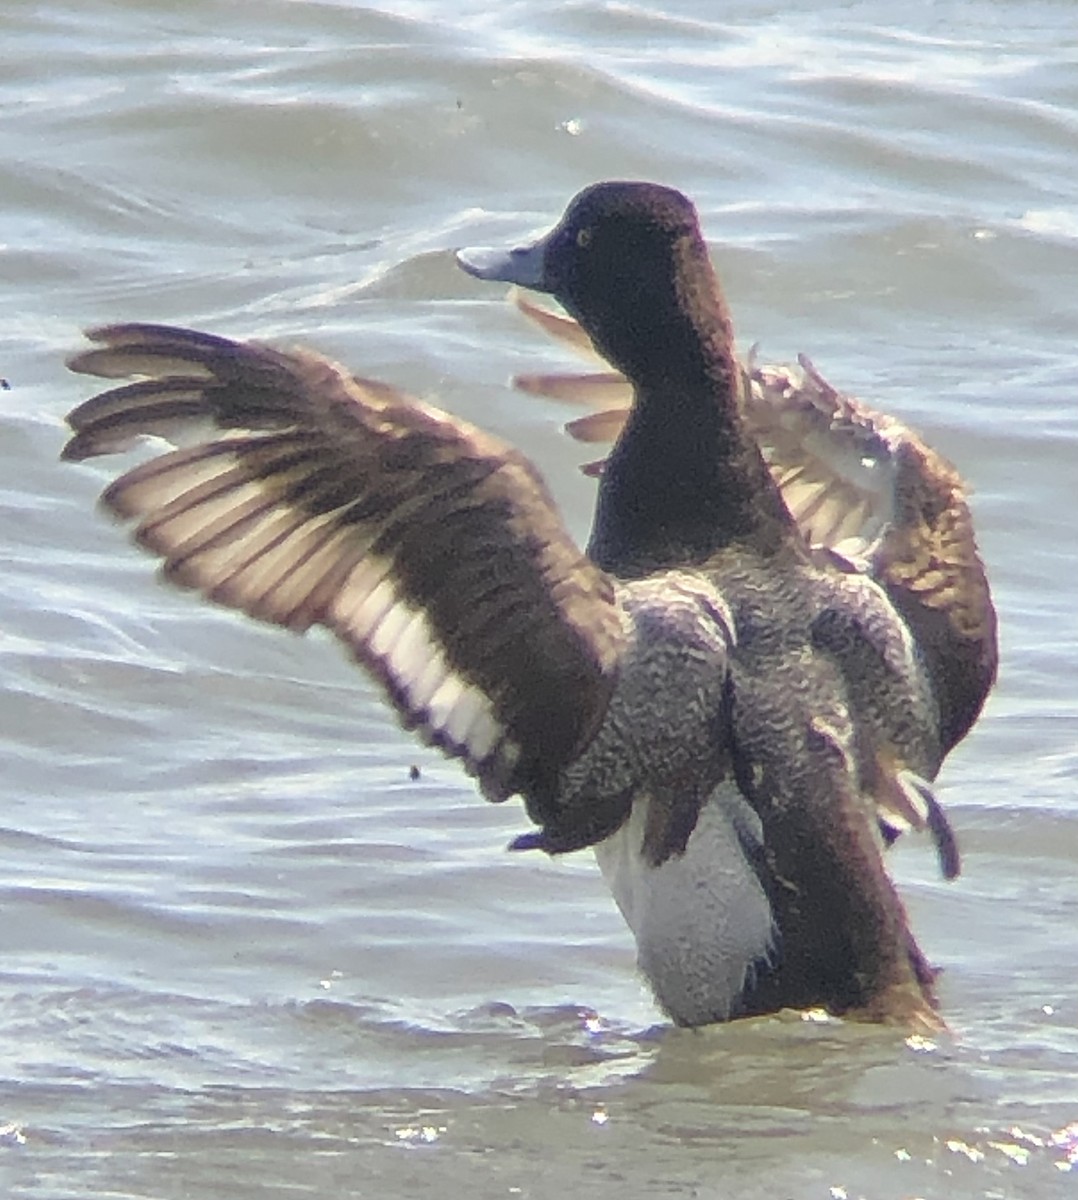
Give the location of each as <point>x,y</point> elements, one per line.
<point>432,550</point>
<point>862,486</point>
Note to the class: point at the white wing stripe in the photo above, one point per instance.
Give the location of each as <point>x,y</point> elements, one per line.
<point>444,699</point>
<point>393,628</point>
<point>413,648</point>
<point>427,682</point>
<point>399,638</point>
<point>374,606</point>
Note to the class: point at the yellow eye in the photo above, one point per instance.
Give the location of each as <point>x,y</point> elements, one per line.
<point>583,239</point>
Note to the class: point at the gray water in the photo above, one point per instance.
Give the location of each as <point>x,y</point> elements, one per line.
<point>244,954</point>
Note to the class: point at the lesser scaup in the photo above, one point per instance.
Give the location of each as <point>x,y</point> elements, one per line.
<point>705,699</point>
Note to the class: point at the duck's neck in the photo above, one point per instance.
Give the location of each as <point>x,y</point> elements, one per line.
<point>685,479</point>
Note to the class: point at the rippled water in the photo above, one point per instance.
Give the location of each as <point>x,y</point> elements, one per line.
<point>244,954</point>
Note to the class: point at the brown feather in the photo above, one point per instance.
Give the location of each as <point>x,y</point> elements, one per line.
<point>415,537</point>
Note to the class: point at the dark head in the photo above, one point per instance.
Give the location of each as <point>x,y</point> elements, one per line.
<point>685,478</point>
<point>629,262</point>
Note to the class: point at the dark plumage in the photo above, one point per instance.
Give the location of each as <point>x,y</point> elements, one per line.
<point>707,699</point>
<point>862,487</point>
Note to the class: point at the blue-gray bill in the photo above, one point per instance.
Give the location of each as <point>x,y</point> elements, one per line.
<point>524,265</point>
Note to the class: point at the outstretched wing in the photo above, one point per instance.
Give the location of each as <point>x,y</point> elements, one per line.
<point>431,549</point>
<point>862,486</point>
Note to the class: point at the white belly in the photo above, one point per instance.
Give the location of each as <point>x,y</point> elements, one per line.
<point>702,920</point>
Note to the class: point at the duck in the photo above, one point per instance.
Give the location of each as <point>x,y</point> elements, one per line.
<point>704,698</point>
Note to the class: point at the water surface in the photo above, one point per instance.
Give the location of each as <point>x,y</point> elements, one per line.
<point>244,953</point>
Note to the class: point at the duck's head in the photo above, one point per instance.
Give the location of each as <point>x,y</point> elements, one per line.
<point>629,262</point>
